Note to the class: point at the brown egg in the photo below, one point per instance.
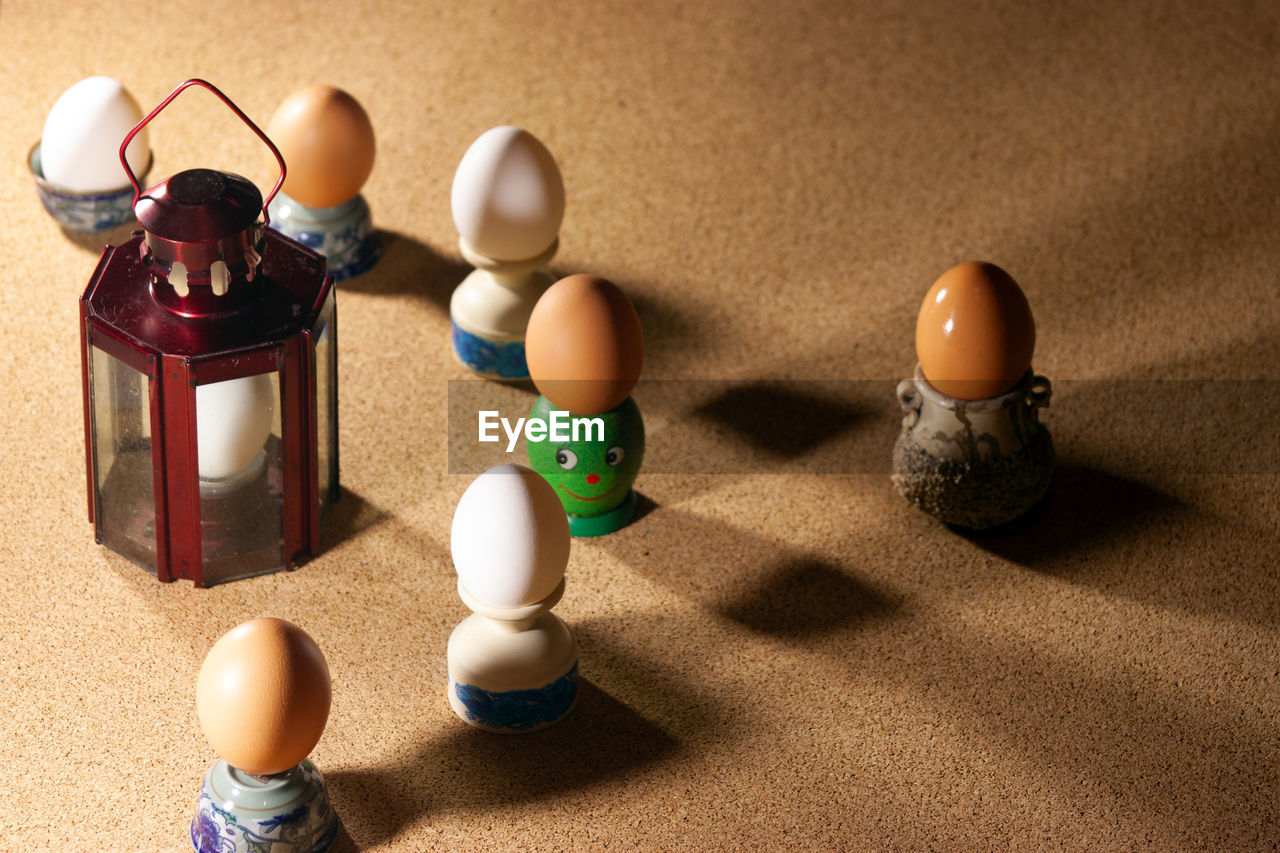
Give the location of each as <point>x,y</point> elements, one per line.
<point>584,345</point>
<point>974,334</point>
<point>327,143</point>
<point>263,696</point>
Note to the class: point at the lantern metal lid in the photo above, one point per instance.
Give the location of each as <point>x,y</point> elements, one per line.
<point>202,239</point>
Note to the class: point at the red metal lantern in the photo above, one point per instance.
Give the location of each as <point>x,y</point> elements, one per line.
<point>209,355</point>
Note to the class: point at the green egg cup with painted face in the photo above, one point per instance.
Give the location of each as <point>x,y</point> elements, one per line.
<point>592,478</point>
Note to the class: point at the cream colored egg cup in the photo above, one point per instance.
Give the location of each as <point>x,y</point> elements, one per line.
<point>512,669</point>
<point>490,311</point>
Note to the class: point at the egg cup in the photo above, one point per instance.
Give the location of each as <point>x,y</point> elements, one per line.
<point>512,669</point>
<point>593,479</point>
<point>973,463</point>
<point>81,212</point>
<point>343,233</point>
<point>489,312</point>
<point>241,813</point>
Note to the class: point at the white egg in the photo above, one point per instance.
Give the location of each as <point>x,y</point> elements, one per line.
<point>233,422</point>
<point>80,147</point>
<point>508,196</point>
<point>510,537</point>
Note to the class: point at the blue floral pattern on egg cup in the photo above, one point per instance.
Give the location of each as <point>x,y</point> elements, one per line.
<point>84,213</point>
<point>519,710</point>
<point>285,813</point>
<point>504,360</point>
<point>344,233</point>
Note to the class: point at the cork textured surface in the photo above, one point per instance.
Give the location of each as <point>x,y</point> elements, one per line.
<point>780,652</point>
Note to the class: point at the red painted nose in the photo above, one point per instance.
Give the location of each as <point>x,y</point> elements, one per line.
<point>592,479</point>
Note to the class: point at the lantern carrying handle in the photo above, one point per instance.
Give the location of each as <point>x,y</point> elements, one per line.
<point>195,81</point>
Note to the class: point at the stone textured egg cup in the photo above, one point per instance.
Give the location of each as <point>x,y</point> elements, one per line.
<point>973,463</point>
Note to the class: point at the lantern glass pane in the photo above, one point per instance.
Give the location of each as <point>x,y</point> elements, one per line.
<point>326,420</point>
<point>119,399</point>
<point>239,458</point>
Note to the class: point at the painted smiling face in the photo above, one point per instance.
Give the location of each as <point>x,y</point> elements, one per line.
<point>592,477</point>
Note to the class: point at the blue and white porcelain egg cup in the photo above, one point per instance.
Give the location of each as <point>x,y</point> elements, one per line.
<point>84,212</point>
<point>343,233</point>
<point>285,813</point>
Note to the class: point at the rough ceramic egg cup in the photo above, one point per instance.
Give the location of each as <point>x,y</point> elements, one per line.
<point>593,479</point>
<point>512,669</point>
<point>241,813</point>
<point>344,233</point>
<point>489,312</point>
<point>973,463</point>
<point>84,213</point>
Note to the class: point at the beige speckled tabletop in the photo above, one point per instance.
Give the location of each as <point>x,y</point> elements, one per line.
<point>780,654</point>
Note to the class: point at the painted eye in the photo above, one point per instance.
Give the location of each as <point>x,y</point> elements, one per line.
<point>566,459</point>
<point>613,456</point>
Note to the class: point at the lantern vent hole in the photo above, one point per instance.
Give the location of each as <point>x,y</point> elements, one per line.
<point>178,278</point>
<point>219,277</point>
